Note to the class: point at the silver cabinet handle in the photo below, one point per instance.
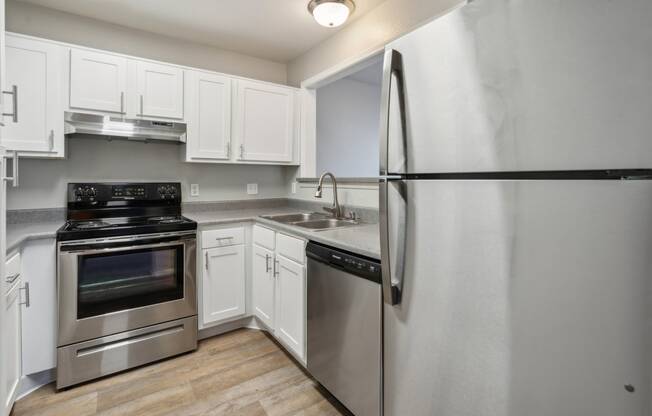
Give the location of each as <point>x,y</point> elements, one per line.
<point>14,178</point>
<point>51,139</point>
<point>14,95</point>
<point>228,149</point>
<point>141,105</point>
<point>242,151</point>
<point>276,263</point>
<point>26,289</point>
<point>393,66</point>
<point>267,268</point>
<point>11,279</point>
<point>206,260</point>
<point>122,102</point>
<point>223,238</point>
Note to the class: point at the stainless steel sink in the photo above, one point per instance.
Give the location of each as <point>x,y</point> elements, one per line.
<point>326,224</point>
<point>293,218</point>
<point>313,220</point>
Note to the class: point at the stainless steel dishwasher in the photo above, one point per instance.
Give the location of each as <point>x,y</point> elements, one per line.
<point>345,327</point>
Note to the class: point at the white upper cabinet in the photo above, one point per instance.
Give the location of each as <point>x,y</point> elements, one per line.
<point>98,81</point>
<point>208,116</point>
<point>264,122</point>
<point>34,76</point>
<point>159,90</point>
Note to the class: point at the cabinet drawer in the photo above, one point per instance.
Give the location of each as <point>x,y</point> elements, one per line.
<point>264,237</point>
<point>12,270</point>
<point>291,247</point>
<point>222,238</point>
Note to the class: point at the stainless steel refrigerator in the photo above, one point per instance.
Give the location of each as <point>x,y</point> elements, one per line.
<point>516,211</point>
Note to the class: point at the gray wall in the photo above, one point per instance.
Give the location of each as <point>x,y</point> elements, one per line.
<point>43,181</point>
<point>347,128</point>
<point>65,27</point>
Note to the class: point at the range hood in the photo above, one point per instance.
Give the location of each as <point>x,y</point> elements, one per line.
<point>124,128</point>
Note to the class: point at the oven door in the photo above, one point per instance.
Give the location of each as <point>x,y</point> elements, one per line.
<point>120,284</point>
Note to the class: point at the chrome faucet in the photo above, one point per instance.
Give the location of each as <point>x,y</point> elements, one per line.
<point>335,209</point>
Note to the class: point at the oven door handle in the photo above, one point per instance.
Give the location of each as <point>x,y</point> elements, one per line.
<point>85,251</point>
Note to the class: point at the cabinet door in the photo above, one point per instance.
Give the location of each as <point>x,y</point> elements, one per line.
<point>291,304</point>
<point>264,122</point>
<point>11,354</point>
<point>223,283</point>
<point>160,90</point>
<point>34,68</point>
<point>39,321</point>
<point>98,81</point>
<point>263,285</point>
<point>208,102</point>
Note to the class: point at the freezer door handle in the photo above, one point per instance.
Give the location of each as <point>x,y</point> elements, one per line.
<point>392,69</point>
<point>393,237</point>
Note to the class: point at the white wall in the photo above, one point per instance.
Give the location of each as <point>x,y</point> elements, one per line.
<point>43,182</point>
<point>348,113</point>
<point>372,31</point>
<point>65,27</point>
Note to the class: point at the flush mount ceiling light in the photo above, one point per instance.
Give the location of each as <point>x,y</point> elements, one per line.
<point>331,13</point>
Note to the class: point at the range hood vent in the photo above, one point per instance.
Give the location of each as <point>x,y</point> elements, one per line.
<point>124,128</point>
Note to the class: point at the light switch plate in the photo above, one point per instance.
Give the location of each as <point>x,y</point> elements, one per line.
<point>252,188</point>
<point>194,189</point>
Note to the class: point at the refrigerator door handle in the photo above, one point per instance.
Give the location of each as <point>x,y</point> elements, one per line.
<point>393,66</point>
<point>393,237</point>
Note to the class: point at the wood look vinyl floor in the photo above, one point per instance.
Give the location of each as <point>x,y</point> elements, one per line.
<point>240,373</point>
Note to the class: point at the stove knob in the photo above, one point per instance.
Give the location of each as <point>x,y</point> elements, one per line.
<point>79,192</point>
<point>92,192</point>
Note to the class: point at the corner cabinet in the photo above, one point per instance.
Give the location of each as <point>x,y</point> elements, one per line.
<point>223,273</point>
<point>208,104</point>
<point>11,334</point>
<point>279,287</point>
<point>32,97</point>
<point>265,122</point>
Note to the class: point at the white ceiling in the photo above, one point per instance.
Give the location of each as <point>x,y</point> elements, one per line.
<point>272,29</point>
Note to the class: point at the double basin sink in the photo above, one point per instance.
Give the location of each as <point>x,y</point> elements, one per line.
<point>314,221</point>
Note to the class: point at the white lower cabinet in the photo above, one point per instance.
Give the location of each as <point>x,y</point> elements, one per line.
<point>263,283</point>
<point>279,287</point>
<point>290,304</point>
<point>222,282</point>
<point>39,320</point>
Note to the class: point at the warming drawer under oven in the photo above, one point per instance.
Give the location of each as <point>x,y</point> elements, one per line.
<point>112,285</point>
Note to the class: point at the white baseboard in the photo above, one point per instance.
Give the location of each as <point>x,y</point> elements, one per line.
<point>35,381</point>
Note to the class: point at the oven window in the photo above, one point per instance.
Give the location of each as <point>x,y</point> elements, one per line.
<point>130,279</point>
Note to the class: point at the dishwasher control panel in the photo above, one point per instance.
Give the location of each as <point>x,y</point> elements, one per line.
<point>352,263</point>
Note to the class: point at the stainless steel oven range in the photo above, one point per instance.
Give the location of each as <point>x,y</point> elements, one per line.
<point>126,279</point>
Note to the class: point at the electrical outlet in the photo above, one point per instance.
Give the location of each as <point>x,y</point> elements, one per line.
<point>252,188</point>
<point>194,189</point>
<point>294,187</point>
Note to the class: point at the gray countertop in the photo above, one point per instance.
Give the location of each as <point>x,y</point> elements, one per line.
<point>17,234</point>
<point>362,239</point>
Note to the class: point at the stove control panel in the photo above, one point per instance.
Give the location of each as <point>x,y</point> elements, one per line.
<point>128,192</point>
<point>168,191</point>
<point>106,193</point>
<point>85,193</point>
